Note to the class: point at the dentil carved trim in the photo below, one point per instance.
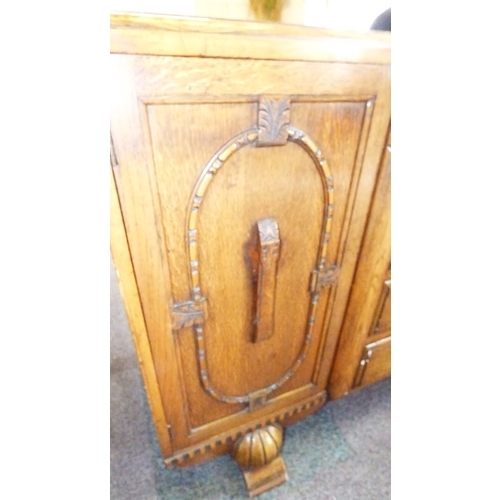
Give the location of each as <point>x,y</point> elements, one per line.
<point>183,456</point>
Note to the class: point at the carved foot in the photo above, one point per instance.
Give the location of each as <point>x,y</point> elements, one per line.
<point>258,453</point>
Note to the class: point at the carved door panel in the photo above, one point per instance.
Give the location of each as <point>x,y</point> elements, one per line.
<point>237,182</point>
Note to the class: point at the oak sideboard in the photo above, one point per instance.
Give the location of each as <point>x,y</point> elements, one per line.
<point>250,194</point>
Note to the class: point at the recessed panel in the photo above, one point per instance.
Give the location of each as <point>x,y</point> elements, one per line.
<point>282,183</point>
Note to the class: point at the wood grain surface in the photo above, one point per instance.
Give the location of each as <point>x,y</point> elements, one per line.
<point>161,35</point>
<point>197,166</point>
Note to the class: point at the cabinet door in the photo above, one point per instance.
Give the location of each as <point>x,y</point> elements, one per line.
<point>243,186</point>
<point>364,352</point>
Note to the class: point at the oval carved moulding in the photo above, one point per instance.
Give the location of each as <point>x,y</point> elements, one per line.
<point>253,137</point>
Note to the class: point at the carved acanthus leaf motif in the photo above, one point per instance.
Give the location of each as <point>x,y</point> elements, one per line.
<point>273,119</point>
<point>327,277</point>
<point>187,314</point>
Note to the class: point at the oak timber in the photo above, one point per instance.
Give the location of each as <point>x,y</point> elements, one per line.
<point>245,157</point>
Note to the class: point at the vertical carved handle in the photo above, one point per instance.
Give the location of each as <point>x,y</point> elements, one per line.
<point>267,255</point>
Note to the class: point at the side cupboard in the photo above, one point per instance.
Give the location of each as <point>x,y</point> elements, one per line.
<point>250,207</point>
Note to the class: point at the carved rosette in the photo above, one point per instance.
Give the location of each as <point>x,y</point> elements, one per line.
<point>273,127</point>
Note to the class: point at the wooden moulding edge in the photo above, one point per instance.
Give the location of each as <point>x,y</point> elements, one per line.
<point>221,443</point>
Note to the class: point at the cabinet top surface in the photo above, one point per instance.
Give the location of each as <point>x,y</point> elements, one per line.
<point>146,34</point>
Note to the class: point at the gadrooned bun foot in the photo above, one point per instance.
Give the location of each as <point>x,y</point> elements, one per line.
<point>258,453</point>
